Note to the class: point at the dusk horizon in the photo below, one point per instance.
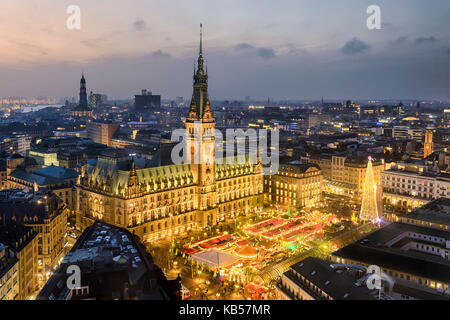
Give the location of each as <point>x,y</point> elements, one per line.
<point>225,159</point>
<point>305,51</point>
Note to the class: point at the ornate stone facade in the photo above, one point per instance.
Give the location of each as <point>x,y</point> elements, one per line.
<point>155,202</point>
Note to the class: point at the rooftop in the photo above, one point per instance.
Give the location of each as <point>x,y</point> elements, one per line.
<point>57,172</point>
<point>16,236</point>
<point>337,284</point>
<point>114,265</point>
<point>437,211</point>
<point>7,260</point>
<point>26,206</point>
<point>298,167</point>
<point>46,176</point>
<point>379,248</point>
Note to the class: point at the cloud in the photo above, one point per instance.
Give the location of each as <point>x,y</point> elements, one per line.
<point>30,47</point>
<point>354,46</point>
<point>243,46</point>
<point>160,54</point>
<point>401,40</point>
<point>426,40</point>
<point>95,43</point>
<point>48,30</point>
<point>266,53</point>
<point>139,25</point>
<point>291,49</point>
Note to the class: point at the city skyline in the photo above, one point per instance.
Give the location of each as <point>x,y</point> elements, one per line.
<point>304,51</point>
<point>264,198</point>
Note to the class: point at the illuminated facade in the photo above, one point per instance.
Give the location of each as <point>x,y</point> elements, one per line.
<point>295,185</point>
<point>102,132</point>
<point>44,157</point>
<point>9,273</point>
<point>345,175</point>
<point>155,202</point>
<point>428,146</point>
<point>45,214</point>
<point>408,186</point>
<point>22,244</point>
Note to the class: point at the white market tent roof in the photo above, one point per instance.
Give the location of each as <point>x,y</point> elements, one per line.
<point>214,258</point>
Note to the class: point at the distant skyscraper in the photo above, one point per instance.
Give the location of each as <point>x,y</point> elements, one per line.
<point>369,209</point>
<point>146,100</point>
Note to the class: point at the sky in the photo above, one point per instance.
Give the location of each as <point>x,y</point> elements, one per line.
<point>285,49</point>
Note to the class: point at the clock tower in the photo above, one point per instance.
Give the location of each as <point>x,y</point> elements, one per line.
<point>200,144</point>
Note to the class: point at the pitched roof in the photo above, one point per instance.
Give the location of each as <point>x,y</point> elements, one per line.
<point>57,172</point>
<point>32,178</point>
<point>16,236</point>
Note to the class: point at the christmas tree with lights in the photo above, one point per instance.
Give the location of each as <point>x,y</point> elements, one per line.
<point>369,209</point>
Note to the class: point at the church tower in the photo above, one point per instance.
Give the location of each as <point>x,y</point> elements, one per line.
<point>200,143</point>
<point>82,109</point>
<point>428,144</point>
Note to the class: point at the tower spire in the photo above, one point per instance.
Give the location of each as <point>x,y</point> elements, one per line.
<point>200,108</point>
<point>83,94</point>
<point>201,40</point>
<point>200,60</point>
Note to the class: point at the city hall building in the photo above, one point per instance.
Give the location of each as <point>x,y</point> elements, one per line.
<point>159,201</point>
